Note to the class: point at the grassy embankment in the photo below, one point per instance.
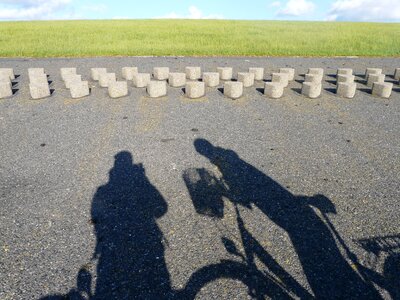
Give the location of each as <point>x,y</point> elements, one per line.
<point>197,38</point>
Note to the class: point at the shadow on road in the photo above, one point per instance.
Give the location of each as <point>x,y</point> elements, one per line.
<point>130,245</point>
<point>328,273</point>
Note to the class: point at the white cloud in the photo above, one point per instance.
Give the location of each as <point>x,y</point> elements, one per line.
<point>365,10</point>
<point>276,4</point>
<point>193,13</point>
<point>297,8</point>
<point>31,9</point>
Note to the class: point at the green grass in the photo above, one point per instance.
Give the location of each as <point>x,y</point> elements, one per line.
<point>197,38</point>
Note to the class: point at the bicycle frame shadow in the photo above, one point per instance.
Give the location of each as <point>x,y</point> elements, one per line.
<point>313,237</point>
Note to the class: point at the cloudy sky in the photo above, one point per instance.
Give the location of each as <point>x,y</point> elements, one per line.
<point>325,10</point>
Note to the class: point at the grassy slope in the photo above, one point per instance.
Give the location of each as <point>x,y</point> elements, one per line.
<point>197,38</point>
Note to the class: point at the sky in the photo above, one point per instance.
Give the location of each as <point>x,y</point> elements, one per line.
<point>321,10</point>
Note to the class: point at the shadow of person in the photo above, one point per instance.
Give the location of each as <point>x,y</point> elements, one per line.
<point>129,248</point>
<point>327,271</point>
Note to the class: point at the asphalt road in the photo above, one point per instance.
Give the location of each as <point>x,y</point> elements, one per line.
<point>208,199</point>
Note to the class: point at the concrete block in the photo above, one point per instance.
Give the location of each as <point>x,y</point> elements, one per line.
<point>117,89</point>
<point>79,89</point>
<point>9,72</point>
<point>345,78</point>
<point>372,71</point>
<point>344,71</point>
<point>273,90</point>
<point>311,90</point>
<point>233,89</point>
<point>258,73</point>
<point>282,78</point>
<point>225,73</point>
<point>39,79</point>
<point>313,78</point>
<point>195,89</point>
<point>157,89</point>
<point>141,80</point>
<point>193,73</point>
<point>317,71</point>
<point>382,89</point>
<point>106,79</point>
<point>4,77</point>
<point>397,74</point>
<point>177,79</point>
<point>72,79</point>
<point>346,89</point>
<point>66,72</point>
<point>129,72</point>
<point>246,78</point>
<point>375,78</point>
<point>5,89</point>
<point>39,91</point>
<point>95,73</point>
<point>211,79</point>
<point>289,71</point>
<point>160,73</point>
<point>34,72</point>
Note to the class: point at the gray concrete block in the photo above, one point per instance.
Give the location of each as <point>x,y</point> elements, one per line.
<point>273,90</point>
<point>345,78</point>
<point>225,73</point>
<point>95,73</point>
<point>344,71</point>
<point>71,79</point>
<point>282,78</point>
<point>106,79</point>
<point>39,91</point>
<point>258,73</point>
<point>382,89</point>
<point>311,89</point>
<point>372,78</point>
<point>195,89</point>
<point>397,74</point>
<point>233,89</point>
<point>246,78</point>
<point>289,71</point>
<point>160,73</point>
<point>177,79</point>
<point>313,78</point>
<point>193,73</point>
<point>129,72</point>
<point>39,79</point>
<point>66,72</point>
<point>141,80</point>
<point>5,89</point>
<point>4,77</point>
<point>375,71</point>
<point>346,89</point>
<point>34,72</point>
<point>316,71</point>
<point>157,89</point>
<point>79,89</point>
<point>118,89</point>
<point>211,79</point>
<point>9,72</point>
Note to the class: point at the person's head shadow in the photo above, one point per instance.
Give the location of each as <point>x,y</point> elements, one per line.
<point>304,218</point>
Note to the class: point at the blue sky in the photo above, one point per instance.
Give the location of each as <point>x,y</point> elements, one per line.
<point>324,10</point>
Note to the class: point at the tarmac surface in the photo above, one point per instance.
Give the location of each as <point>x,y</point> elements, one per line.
<point>171,198</point>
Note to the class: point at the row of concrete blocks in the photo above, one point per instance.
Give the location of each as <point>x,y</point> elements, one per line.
<point>74,83</point>
<point>38,83</point>
<point>6,77</point>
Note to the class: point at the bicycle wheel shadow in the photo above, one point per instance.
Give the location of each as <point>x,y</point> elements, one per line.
<point>328,273</point>
<point>129,249</point>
